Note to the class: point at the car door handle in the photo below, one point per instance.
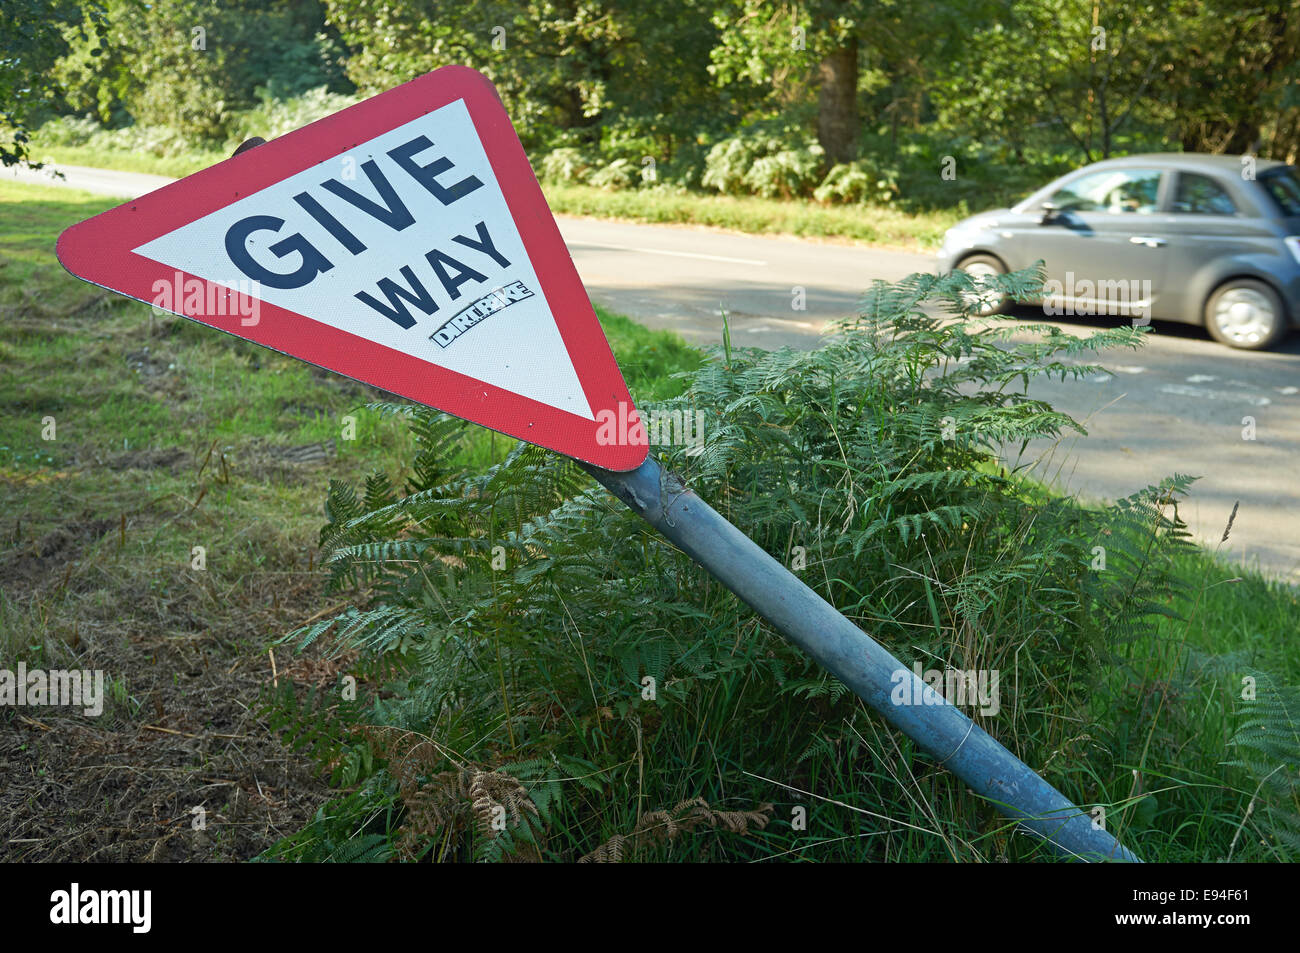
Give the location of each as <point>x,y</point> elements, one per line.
<point>1149,240</point>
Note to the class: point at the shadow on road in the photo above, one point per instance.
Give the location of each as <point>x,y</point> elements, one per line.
<point>1173,329</point>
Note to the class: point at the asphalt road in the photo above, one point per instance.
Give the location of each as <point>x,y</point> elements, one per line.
<point>1176,406</point>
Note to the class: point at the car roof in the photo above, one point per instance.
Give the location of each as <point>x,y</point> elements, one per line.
<point>1192,161</point>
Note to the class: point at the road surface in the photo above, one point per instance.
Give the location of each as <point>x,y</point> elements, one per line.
<point>1179,405</point>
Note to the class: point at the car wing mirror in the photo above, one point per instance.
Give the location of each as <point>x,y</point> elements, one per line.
<point>1051,213</point>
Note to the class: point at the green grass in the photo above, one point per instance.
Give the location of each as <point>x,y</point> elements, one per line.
<point>126,389</point>
<point>157,452</point>
<point>1178,699</point>
<point>96,157</point>
<point>1243,613</point>
<point>1121,684</point>
<point>889,227</point>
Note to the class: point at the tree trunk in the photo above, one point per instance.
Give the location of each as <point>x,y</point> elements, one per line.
<point>837,103</point>
<point>1244,138</point>
<point>1237,137</point>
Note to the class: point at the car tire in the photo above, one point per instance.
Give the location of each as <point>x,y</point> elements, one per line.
<point>978,266</point>
<point>1245,313</point>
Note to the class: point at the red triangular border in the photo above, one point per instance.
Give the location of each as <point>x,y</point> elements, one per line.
<point>98,250</point>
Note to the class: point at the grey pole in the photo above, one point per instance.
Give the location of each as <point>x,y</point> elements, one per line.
<point>811,623</point>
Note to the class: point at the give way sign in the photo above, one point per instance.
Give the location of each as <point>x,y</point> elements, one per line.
<point>403,242</point>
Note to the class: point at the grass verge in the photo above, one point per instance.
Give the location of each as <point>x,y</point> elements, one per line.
<point>176,166</point>
<point>552,660</point>
<point>889,227</point>
<point>164,534</point>
<point>168,436</point>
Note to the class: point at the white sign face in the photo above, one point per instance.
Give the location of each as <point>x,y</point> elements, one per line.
<point>405,240</point>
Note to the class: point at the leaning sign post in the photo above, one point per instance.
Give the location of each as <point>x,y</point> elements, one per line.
<point>405,242</point>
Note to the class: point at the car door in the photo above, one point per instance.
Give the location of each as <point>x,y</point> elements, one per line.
<point>1104,246</point>
<point>1208,224</point>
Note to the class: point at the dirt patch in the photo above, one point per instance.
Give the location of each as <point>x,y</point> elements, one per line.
<point>149,365</point>
<point>306,411</point>
<point>260,460</point>
<point>305,455</point>
<point>206,781</point>
<point>159,374</point>
<point>164,458</point>
<point>182,764</point>
<point>27,564</point>
<point>165,564</point>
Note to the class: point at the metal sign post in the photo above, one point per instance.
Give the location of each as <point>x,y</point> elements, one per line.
<point>406,243</point>
<point>839,646</point>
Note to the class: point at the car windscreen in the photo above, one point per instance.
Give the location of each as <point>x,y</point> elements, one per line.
<point>1284,186</point>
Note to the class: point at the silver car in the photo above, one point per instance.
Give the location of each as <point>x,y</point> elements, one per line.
<point>1202,239</point>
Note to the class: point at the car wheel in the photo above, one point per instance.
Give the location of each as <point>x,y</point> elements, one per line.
<point>1245,313</point>
<point>987,303</point>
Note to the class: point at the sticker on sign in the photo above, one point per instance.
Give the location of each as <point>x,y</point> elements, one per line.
<point>403,242</point>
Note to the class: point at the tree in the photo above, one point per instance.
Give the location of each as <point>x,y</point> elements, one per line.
<point>31,41</point>
<point>824,54</point>
<point>987,89</point>
<point>1233,88</point>
<point>191,64</point>
<point>788,50</point>
<point>1086,66</point>
<point>572,72</point>
<point>837,101</point>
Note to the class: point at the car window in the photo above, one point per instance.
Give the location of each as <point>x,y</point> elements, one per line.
<point>1117,191</point>
<point>1284,187</point>
<point>1201,195</point>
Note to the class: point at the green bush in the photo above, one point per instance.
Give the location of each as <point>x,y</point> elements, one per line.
<point>87,131</point>
<point>686,166</point>
<point>786,174</point>
<point>69,131</point>
<point>859,181</point>
<point>565,164</point>
<point>619,174</point>
<point>274,116</point>
<point>193,65</point>
<point>729,161</point>
<point>760,163</point>
<point>521,610</point>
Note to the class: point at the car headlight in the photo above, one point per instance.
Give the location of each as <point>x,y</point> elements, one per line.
<point>957,236</point>
<point>1292,243</point>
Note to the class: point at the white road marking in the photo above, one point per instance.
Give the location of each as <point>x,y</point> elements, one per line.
<point>764,324</point>
<point>1201,378</point>
<point>1288,390</point>
<point>1184,391</point>
<point>664,251</point>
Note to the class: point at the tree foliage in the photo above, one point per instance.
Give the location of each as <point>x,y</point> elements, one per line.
<point>192,64</point>
<point>644,93</point>
<point>32,39</point>
<point>573,72</point>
